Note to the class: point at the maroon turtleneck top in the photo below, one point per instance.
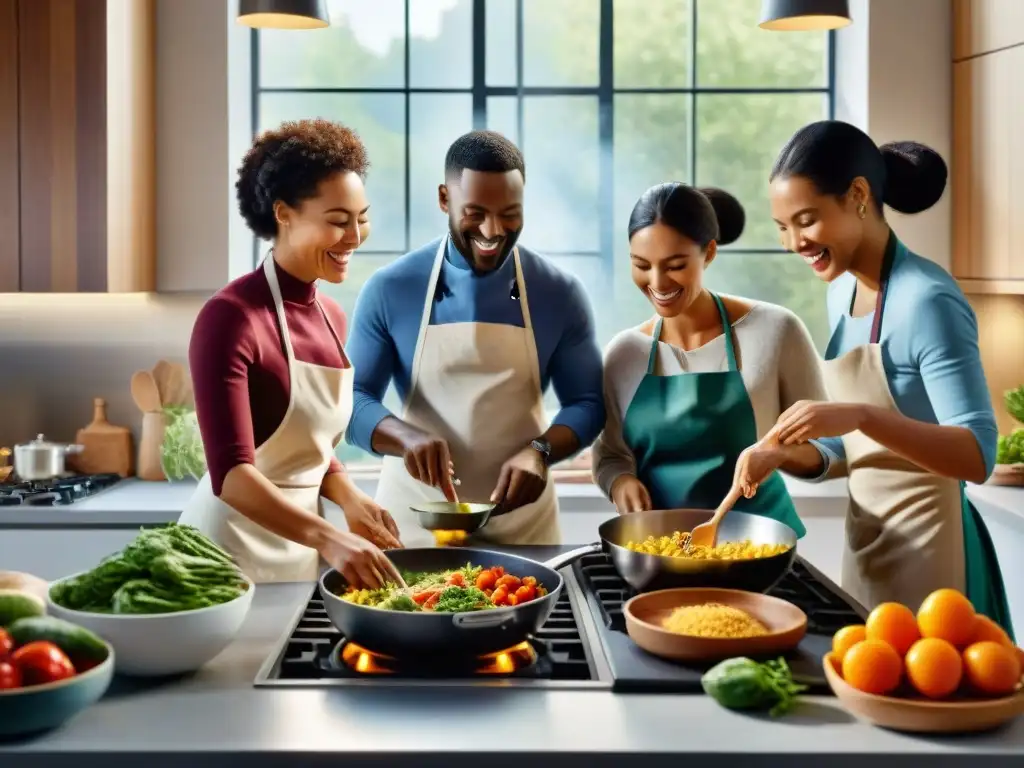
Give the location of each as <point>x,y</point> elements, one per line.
<point>239,367</point>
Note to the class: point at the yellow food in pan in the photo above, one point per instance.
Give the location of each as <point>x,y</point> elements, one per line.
<point>674,546</point>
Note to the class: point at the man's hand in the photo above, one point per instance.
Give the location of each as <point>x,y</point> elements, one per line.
<point>629,495</point>
<point>521,482</point>
<point>428,460</point>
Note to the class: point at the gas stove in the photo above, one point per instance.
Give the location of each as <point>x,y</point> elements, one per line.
<point>583,645</point>
<point>55,491</point>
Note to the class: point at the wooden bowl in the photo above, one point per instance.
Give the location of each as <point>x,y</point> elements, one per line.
<point>919,715</point>
<point>645,613</point>
<point>1007,474</point>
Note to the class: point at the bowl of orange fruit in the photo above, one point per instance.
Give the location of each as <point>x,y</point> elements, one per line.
<point>945,669</point>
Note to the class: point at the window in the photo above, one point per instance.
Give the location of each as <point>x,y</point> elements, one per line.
<point>605,98</point>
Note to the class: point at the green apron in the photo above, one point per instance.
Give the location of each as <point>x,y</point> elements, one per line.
<point>985,588</point>
<point>686,432</point>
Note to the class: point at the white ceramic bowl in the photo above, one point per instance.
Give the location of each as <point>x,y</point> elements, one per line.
<point>159,644</point>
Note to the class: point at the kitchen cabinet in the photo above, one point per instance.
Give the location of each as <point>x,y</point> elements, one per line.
<point>983,26</point>
<point>81,129</point>
<point>988,172</point>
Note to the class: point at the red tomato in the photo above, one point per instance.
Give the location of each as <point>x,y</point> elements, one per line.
<point>456,580</point>
<point>10,676</point>
<point>422,597</point>
<point>432,601</point>
<point>6,644</point>
<point>485,580</point>
<point>509,581</point>
<point>499,596</point>
<point>512,600</point>
<point>498,571</point>
<point>42,662</point>
<point>526,593</point>
<point>529,581</point>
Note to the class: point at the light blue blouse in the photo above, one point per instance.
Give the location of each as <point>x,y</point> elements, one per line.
<point>929,340</point>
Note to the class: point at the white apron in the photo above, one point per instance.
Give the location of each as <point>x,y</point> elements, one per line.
<point>295,459</point>
<point>904,526</point>
<point>477,386</point>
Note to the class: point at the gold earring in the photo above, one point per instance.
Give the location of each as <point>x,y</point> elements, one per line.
<point>862,210</point>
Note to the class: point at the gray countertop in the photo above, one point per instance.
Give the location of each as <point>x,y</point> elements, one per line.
<point>217,717</point>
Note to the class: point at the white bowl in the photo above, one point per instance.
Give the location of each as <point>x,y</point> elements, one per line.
<point>151,645</point>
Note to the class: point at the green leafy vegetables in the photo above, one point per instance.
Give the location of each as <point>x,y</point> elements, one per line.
<point>742,683</point>
<point>1010,448</point>
<point>167,569</point>
<point>181,453</point>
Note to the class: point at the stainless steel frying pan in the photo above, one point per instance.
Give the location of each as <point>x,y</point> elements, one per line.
<point>646,573</point>
<point>447,516</point>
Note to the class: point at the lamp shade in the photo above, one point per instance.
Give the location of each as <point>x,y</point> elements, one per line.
<point>804,15</point>
<point>283,14</point>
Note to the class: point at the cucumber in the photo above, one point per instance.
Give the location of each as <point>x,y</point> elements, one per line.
<point>82,646</point>
<point>15,604</point>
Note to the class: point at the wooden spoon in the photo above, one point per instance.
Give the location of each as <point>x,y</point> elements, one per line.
<point>706,534</point>
<point>145,392</point>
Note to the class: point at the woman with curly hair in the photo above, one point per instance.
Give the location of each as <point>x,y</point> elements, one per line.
<point>273,384</point>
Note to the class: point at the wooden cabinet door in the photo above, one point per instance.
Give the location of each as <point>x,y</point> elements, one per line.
<point>983,26</point>
<point>988,172</point>
<point>10,218</point>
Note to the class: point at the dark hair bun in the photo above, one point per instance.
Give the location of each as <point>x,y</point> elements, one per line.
<point>916,176</point>
<point>729,212</point>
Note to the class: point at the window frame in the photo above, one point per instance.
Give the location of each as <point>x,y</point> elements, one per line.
<point>605,93</point>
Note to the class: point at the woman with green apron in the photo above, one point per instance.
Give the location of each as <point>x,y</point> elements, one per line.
<point>687,391</point>
<point>911,417</point>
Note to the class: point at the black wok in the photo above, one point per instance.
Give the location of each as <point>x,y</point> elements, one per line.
<point>423,633</point>
<point>646,573</point>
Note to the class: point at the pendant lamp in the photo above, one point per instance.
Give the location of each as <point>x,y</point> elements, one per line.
<point>804,15</point>
<point>283,14</point>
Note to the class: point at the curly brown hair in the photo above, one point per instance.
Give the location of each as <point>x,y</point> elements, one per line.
<point>288,163</point>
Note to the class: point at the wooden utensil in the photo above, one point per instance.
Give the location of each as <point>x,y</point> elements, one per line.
<point>172,381</point>
<point>706,534</point>
<point>145,392</point>
<point>151,443</point>
<point>646,613</point>
<point>106,447</point>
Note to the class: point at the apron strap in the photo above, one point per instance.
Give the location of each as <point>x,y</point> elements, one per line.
<point>883,286</point>
<point>730,349</point>
<point>531,341</point>
<point>655,337</point>
<point>428,305</point>
<point>275,290</point>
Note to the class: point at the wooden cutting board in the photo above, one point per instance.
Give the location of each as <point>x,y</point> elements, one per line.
<point>106,447</point>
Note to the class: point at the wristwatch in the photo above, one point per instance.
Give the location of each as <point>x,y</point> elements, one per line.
<point>543,447</point>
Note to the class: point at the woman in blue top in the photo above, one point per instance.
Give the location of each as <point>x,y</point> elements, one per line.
<point>910,415</point>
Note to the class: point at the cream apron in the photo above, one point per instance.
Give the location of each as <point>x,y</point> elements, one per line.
<point>477,386</point>
<point>295,459</point>
<point>908,531</point>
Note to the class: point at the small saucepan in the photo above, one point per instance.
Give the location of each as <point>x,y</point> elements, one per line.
<point>453,516</point>
<point>40,459</point>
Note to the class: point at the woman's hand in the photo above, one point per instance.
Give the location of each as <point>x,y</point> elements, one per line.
<point>368,519</point>
<point>754,466</point>
<point>361,563</point>
<point>807,420</point>
<point>629,495</point>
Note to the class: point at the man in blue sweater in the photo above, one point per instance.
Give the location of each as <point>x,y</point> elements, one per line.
<point>471,329</point>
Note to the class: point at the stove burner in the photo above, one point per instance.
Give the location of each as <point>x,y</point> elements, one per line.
<point>517,659</point>
<point>57,491</point>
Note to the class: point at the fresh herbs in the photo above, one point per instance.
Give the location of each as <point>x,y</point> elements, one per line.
<point>742,683</point>
<point>460,599</point>
<point>167,569</point>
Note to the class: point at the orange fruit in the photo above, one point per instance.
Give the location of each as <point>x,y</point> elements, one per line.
<point>934,667</point>
<point>873,667</point>
<point>846,638</point>
<point>947,615</point>
<point>894,624</point>
<point>992,668</point>
<point>986,630</point>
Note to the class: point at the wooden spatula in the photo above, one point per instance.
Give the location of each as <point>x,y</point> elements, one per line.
<point>706,534</point>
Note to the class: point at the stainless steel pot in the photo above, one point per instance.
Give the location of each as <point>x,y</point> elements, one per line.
<point>41,459</point>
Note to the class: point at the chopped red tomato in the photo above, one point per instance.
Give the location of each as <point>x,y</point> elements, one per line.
<point>512,582</point>
<point>498,571</point>
<point>512,600</point>
<point>526,593</point>
<point>6,644</point>
<point>500,596</point>
<point>529,581</point>
<point>422,597</point>
<point>456,580</point>
<point>432,601</point>
<point>485,580</point>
